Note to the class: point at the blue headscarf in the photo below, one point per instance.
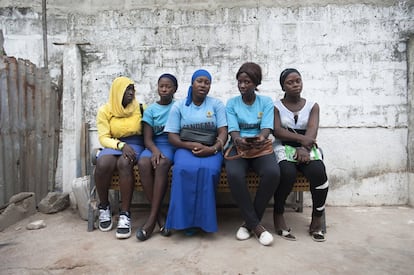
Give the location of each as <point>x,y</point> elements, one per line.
<point>196,74</point>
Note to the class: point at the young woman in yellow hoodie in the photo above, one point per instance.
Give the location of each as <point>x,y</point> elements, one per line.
<point>120,133</point>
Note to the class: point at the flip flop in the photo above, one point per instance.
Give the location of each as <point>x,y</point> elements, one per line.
<point>317,236</point>
<point>190,231</point>
<point>142,234</point>
<point>164,231</point>
<point>285,234</point>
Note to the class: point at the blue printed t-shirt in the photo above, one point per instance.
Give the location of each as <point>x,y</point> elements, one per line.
<point>156,116</point>
<point>211,114</point>
<point>249,120</point>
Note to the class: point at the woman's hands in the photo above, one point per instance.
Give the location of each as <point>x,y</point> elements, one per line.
<point>201,150</point>
<point>156,157</point>
<point>302,155</point>
<point>307,141</point>
<point>129,154</point>
<point>250,142</point>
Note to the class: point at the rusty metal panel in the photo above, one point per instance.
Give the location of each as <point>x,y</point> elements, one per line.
<point>29,129</point>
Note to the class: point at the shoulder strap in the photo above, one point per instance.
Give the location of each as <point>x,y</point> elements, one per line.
<point>141,108</point>
<point>228,150</point>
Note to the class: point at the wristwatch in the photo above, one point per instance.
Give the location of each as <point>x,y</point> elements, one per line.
<point>121,145</point>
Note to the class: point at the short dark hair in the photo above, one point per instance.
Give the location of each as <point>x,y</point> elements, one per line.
<point>253,70</point>
<point>285,74</point>
<point>170,77</point>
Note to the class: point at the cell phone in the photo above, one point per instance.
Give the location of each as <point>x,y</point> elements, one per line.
<point>251,139</point>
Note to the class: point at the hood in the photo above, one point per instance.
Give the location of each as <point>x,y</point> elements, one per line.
<point>115,97</point>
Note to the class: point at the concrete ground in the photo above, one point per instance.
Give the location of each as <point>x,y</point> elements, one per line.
<point>360,240</point>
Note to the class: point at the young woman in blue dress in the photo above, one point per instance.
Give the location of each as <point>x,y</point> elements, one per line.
<point>197,166</point>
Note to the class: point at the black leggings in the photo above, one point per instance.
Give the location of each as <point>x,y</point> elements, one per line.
<point>315,172</point>
<point>268,170</point>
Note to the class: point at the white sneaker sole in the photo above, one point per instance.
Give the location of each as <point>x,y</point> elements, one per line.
<point>265,238</point>
<point>109,228</point>
<point>243,234</point>
<point>123,235</point>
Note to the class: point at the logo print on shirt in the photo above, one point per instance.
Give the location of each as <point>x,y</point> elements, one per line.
<point>260,115</point>
<point>209,114</point>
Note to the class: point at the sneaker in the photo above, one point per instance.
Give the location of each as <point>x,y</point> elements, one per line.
<point>243,233</point>
<point>105,218</point>
<point>123,230</point>
<point>266,238</point>
<point>263,236</point>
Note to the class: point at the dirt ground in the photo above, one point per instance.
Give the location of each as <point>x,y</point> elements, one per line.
<point>361,240</point>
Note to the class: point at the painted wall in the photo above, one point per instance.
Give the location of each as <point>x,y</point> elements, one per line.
<point>352,56</point>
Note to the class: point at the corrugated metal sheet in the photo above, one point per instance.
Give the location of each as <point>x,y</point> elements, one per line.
<point>29,129</point>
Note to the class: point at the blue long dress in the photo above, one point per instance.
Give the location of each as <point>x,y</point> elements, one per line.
<point>193,202</point>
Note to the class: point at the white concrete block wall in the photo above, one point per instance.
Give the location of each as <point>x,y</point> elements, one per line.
<point>411,189</point>
<point>352,55</point>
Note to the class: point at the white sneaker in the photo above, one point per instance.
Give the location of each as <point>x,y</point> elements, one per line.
<point>123,230</point>
<point>265,238</point>
<point>105,219</point>
<point>243,233</point>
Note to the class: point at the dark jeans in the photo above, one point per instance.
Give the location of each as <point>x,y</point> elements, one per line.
<point>268,170</point>
<point>315,172</point>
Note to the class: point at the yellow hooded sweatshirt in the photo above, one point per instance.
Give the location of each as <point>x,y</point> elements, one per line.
<point>113,120</point>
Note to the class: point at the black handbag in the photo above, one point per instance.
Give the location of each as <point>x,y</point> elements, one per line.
<point>203,136</point>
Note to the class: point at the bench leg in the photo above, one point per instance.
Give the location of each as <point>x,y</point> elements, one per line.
<point>115,208</point>
<point>299,201</point>
<point>92,194</point>
<point>324,221</point>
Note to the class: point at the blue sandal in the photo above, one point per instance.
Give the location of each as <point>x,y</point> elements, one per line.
<point>191,231</point>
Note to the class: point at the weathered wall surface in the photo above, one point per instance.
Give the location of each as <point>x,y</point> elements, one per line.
<point>352,56</point>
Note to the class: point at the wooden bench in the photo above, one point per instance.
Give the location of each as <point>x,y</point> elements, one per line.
<point>301,185</point>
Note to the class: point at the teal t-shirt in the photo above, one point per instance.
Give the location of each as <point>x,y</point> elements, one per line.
<point>156,116</point>
<point>249,120</point>
<point>211,114</point>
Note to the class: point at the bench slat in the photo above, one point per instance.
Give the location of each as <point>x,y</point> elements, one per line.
<point>301,184</point>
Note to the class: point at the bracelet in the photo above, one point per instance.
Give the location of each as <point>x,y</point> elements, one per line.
<point>215,149</point>
<point>120,145</point>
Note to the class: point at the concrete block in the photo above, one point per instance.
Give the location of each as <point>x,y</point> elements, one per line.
<point>54,202</point>
<point>20,206</point>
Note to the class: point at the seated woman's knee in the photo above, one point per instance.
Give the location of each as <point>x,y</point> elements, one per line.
<point>144,163</point>
<point>105,163</point>
<point>236,178</point>
<point>318,175</point>
<point>123,164</point>
<point>267,169</point>
<point>164,164</point>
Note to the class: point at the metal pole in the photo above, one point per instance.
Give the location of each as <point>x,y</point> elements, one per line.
<point>410,103</point>
<point>44,26</point>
